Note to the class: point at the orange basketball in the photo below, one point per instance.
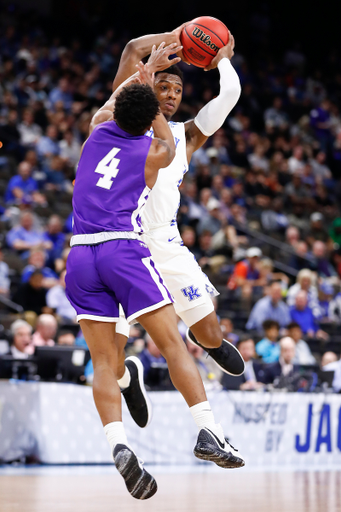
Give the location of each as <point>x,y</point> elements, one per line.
<point>202,38</point>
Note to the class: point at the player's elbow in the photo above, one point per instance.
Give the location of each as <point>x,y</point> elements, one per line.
<point>132,48</point>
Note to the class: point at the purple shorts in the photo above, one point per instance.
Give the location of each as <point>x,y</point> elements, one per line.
<point>100,277</point>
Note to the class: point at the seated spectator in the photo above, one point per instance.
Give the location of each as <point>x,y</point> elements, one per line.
<point>24,237</point>
<point>5,281</point>
<point>296,161</point>
<point>322,265</point>
<point>316,230</point>
<point>21,346</point>
<point>36,261</point>
<point>70,148</point>
<point>56,179</point>
<point>270,307</point>
<point>156,374</point>
<point>208,369</point>
<point>292,236</point>
<point>66,338</point>
<point>302,314</point>
<point>62,92</point>
<point>334,309</point>
<point>303,355</point>
<point>213,220</point>
<point>23,188</point>
<point>55,235</point>
<point>253,375</point>
<point>32,295</point>
<point>46,329</point>
<point>305,281</point>
<point>275,116</point>
<point>285,366</point>
<point>326,292</point>
<point>268,275</point>
<point>30,132</point>
<point>328,357</point>
<point>335,231</point>
<point>246,273</point>
<point>227,328</point>
<point>336,368</point>
<point>320,169</point>
<point>48,144</point>
<point>268,348</point>
<point>58,302</point>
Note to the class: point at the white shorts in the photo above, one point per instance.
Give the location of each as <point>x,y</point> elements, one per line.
<point>190,287</point>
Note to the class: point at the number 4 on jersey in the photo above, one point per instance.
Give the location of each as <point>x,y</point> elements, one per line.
<point>108,167</point>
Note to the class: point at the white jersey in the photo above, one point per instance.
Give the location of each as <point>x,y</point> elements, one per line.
<point>164,199</point>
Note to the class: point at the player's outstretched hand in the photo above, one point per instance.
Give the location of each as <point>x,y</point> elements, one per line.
<point>159,58</point>
<point>145,76</point>
<point>225,51</point>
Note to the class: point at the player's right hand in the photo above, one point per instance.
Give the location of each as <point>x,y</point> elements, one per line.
<point>177,32</point>
<point>226,51</point>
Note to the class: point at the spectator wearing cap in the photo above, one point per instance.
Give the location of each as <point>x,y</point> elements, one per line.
<point>5,281</point>
<point>326,293</point>
<point>268,348</point>
<point>305,281</point>
<point>22,345</point>
<point>303,355</point>
<point>246,273</point>
<point>302,314</point>
<point>270,307</point>
<point>317,230</point>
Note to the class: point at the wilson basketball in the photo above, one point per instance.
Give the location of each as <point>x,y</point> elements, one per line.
<point>202,38</point>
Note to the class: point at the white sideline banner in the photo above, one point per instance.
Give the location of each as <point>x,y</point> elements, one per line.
<point>58,424</point>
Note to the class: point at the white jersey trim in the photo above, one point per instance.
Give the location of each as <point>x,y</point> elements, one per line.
<point>107,319</point>
<point>104,236</point>
<point>159,305</point>
<point>140,205</point>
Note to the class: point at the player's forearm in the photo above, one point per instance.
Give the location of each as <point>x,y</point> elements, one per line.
<point>212,116</point>
<point>163,132</point>
<point>136,50</point>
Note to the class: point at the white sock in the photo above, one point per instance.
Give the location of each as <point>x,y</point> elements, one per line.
<point>124,381</point>
<point>203,417</point>
<point>115,434</point>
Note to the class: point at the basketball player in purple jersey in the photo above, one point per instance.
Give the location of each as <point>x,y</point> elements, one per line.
<point>108,265</point>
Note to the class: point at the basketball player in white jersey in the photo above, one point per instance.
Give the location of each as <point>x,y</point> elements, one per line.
<point>189,286</point>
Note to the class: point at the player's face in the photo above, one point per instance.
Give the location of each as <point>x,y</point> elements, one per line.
<point>168,89</point>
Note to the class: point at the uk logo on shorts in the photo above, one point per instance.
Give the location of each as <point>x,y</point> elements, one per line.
<point>191,293</point>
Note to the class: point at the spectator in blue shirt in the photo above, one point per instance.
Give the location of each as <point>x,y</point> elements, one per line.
<point>268,348</point>
<point>22,187</point>
<point>56,237</point>
<point>62,93</point>
<point>24,237</point>
<point>36,261</point>
<point>302,314</point>
<point>48,144</point>
<point>270,307</point>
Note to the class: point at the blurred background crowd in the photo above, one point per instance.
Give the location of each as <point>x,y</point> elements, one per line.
<point>260,205</point>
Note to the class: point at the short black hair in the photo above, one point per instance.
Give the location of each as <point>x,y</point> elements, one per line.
<point>268,324</point>
<point>293,325</point>
<point>173,70</point>
<point>244,338</point>
<point>135,108</point>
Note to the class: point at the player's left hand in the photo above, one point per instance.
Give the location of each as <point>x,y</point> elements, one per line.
<point>159,58</point>
<point>226,51</point>
<point>145,76</point>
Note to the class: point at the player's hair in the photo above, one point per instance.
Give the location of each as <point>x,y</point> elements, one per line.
<point>135,109</point>
<point>173,70</point>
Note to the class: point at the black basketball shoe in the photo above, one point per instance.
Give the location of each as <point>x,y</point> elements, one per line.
<point>209,447</point>
<point>135,394</point>
<point>139,482</point>
<point>227,356</point>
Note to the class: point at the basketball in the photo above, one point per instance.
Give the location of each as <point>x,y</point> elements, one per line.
<point>202,38</point>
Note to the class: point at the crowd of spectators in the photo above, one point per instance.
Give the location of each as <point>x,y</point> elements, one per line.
<point>260,205</point>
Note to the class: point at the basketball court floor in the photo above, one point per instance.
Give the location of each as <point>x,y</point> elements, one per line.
<point>180,489</point>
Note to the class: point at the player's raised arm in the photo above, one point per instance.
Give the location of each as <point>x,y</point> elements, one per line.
<point>212,116</point>
<point>138,49</point>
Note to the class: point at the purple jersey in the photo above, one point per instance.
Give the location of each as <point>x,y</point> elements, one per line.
<point>110,189</point>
